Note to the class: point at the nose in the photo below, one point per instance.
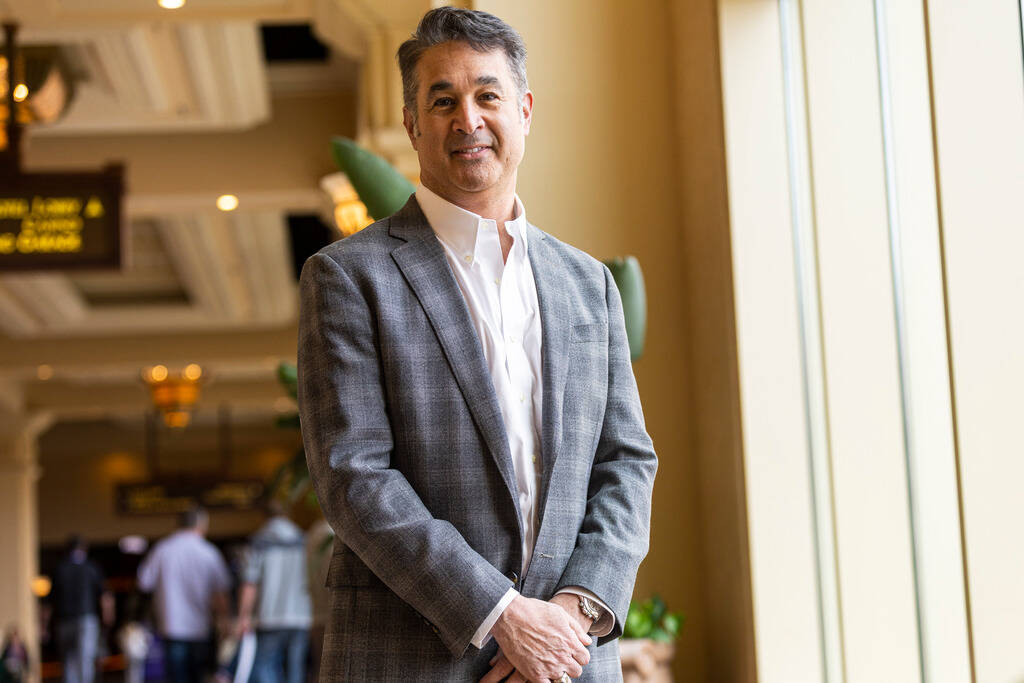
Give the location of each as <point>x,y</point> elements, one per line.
<point>467,118</point>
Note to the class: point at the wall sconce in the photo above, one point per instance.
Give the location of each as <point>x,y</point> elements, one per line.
<point>348,211</point>
<point>175,396</point>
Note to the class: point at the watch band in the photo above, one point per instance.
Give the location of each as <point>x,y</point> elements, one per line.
<point>589,609</point>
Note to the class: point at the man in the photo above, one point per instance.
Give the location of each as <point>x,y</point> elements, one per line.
<point>77,598</point>
<point>470,416</point>
<point>190,580</point>
<point>276,576</point>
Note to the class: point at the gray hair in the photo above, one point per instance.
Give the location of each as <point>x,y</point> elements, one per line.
<point>482,31</point>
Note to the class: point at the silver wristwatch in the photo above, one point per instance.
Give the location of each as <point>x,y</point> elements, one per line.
<point>589,609</point>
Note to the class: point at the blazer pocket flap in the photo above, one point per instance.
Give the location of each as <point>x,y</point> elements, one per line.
<point>346,569</point>
<point>586,332</point>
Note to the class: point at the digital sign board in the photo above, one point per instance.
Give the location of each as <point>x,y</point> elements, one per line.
<point>174,496</point>
<point>61,220</point>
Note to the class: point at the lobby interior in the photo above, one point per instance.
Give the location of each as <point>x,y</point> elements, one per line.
<point>825,202</point>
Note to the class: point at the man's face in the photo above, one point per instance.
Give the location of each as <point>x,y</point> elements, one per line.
<point>470,124</point>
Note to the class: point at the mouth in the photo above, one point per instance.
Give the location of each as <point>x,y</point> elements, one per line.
<point>470,152</point>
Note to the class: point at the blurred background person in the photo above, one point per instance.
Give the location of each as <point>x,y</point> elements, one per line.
<point>77,600</point>
<point>275,594</point>
<point>190,581</point>
<point>14,661</point>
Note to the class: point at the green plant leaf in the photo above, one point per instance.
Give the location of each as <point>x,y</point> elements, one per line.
<point>651,619</point>
<point>657,609</point>
<point>288,375</point>
<point>638,622</point>
<point>630,281</point>
<point>379,185</point>
<point>671,623</point>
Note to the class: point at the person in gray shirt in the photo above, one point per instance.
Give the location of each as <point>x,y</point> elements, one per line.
<point>275,591</point>
<point>190,581</point>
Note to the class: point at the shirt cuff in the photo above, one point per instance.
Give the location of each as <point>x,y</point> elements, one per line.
<point>603,625</point>
<point>483,634</point>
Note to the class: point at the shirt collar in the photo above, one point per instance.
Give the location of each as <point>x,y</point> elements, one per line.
<point>459,228</point>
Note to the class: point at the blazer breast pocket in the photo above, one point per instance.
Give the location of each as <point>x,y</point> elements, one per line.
<point>589,332</point>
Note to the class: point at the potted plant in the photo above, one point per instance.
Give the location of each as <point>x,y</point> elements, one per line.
<point>648,642</point>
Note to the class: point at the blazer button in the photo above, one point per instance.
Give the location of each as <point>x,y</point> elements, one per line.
<point>513,577</point>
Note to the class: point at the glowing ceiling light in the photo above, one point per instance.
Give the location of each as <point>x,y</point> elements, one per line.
<point>171,4</point>
<point>41,586</point>
<point>20,92</point>
<point>44,372</point>
<point>227,202</point>
<point>158,373</point>
<point>192,372</point>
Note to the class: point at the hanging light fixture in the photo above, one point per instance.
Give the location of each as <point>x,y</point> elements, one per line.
<point>43,86</point>
<point>174,394</point>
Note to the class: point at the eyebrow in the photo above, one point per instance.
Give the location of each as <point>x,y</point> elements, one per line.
<point>439,86</point>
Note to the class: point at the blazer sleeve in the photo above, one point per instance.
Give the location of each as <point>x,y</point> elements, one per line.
<point>348,440</point>
<point>615,533</point>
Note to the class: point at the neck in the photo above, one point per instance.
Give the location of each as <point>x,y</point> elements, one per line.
<point>496,206</point>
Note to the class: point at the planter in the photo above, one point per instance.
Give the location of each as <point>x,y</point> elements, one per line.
<point>646,661</point>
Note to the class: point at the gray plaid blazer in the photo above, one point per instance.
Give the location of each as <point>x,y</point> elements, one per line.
<point>410,461</point>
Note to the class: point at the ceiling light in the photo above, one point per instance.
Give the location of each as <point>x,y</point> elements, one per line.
<point>171,4</point>
<point>41,586</point>
<point>227,202</point>
<point>174,395</point>
<point>44,372</point>
<point>20,92</point>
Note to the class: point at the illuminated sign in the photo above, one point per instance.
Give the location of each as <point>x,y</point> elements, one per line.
<point>61,220</point>
<point>172,497</point>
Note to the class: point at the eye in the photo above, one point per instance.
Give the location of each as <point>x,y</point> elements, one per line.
<point>488,97</point>
<point>443,102</point>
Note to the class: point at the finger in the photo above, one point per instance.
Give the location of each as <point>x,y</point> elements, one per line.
<point>516,677</point>
<point>581,632</point>
<point>501,669</point>
<point>574,669</point>
<point>497,655</point>
<point>582,656</point>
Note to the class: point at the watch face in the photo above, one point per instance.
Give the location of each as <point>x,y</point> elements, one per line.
<point>588,608</point>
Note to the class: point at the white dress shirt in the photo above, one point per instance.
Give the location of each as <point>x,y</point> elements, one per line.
<point>501,296</point>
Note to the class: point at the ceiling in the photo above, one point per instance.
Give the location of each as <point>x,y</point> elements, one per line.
<point>198,285</point>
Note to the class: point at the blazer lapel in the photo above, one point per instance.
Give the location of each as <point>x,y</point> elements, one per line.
<point>422,261</point>
<point>556,321</point>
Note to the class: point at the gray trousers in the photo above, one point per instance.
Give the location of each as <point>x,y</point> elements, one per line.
<point>79,644</point>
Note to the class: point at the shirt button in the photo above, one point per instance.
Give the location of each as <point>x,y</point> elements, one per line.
<point>469,257</point>
<point>534,458</point>
<point>497,281</point>
<point>522,398</point>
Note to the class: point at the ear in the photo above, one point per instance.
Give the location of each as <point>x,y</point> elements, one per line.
<point>526,109</point>
<point>409,123</point>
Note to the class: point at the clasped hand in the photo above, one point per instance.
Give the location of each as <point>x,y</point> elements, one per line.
<point>539,641</point>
